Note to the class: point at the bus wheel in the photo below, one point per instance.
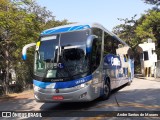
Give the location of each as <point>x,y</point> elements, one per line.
<point>106,91</point>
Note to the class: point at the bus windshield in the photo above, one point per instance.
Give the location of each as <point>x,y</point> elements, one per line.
<point>62,55</point>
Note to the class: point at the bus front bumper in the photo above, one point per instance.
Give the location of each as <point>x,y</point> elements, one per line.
<point>85,94</point>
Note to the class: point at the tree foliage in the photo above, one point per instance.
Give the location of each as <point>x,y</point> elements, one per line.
<point>153,2</point>
<point>126,31</point>
<point>21,22</point>
<point>138,31</point>
<point>150,28</point>
<point>135,31</point>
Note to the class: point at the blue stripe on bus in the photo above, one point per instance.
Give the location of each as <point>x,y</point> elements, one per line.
<point>41,84</point>
<point>88,49</point>
<point>60,85</point>
<point>66,29</point>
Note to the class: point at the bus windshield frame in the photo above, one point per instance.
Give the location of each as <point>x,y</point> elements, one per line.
<point>62,56</point>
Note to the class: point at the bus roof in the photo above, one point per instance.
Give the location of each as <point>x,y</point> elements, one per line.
<point>65,28</point>
<point>76,27</point>
<point>71,27</point>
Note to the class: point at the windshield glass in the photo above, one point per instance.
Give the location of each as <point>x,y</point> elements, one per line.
<point>45,56</point>
<point>63,55</point>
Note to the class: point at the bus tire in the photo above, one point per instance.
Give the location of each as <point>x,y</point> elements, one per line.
<point>107,90</point>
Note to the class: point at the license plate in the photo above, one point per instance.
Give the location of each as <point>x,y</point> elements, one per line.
<point>57,98</point>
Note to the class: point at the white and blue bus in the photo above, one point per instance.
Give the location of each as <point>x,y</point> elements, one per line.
<point>79,62</point>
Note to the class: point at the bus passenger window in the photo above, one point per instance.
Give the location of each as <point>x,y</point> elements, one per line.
<point>97,32</point>
<point>96,54</point>
<point>107,44</point>
<point>96,48</point>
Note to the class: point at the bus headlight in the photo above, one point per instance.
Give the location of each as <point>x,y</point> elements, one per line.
<point>80,86</point>
<point>36,88</point>
<point>83,85</point>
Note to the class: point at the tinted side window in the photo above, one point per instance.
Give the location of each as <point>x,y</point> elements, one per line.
<point>96,54</point>
<point>116,43</point>
<point>96,48</point>
<point>97,32</point>
<point>108,43</point>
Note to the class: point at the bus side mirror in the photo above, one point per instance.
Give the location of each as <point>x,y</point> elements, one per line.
<point>24,50</point>
<point>89,42</point>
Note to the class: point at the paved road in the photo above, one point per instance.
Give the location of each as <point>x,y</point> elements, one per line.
<point>141,95</point>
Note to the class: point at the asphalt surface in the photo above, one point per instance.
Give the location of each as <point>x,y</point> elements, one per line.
<point>141,95</point>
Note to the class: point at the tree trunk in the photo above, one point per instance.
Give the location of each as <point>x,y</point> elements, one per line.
<point>6,78</point>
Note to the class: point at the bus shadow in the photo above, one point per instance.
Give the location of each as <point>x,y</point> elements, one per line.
<point>69,105</point>
<point>77,105</point>
<point>119,88</point>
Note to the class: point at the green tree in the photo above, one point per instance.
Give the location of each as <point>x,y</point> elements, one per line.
<point>15,26</point>
<point>126,31</point>
<point>152,2</point>
<point>21,22</point>
<point>138,31</point>
<point>150,28</point>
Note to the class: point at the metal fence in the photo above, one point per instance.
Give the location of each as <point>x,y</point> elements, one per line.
<point>158,69</point>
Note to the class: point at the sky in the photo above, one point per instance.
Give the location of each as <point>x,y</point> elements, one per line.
<point>104,12</point>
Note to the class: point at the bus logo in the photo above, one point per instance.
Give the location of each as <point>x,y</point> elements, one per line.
<point>60,65</point>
